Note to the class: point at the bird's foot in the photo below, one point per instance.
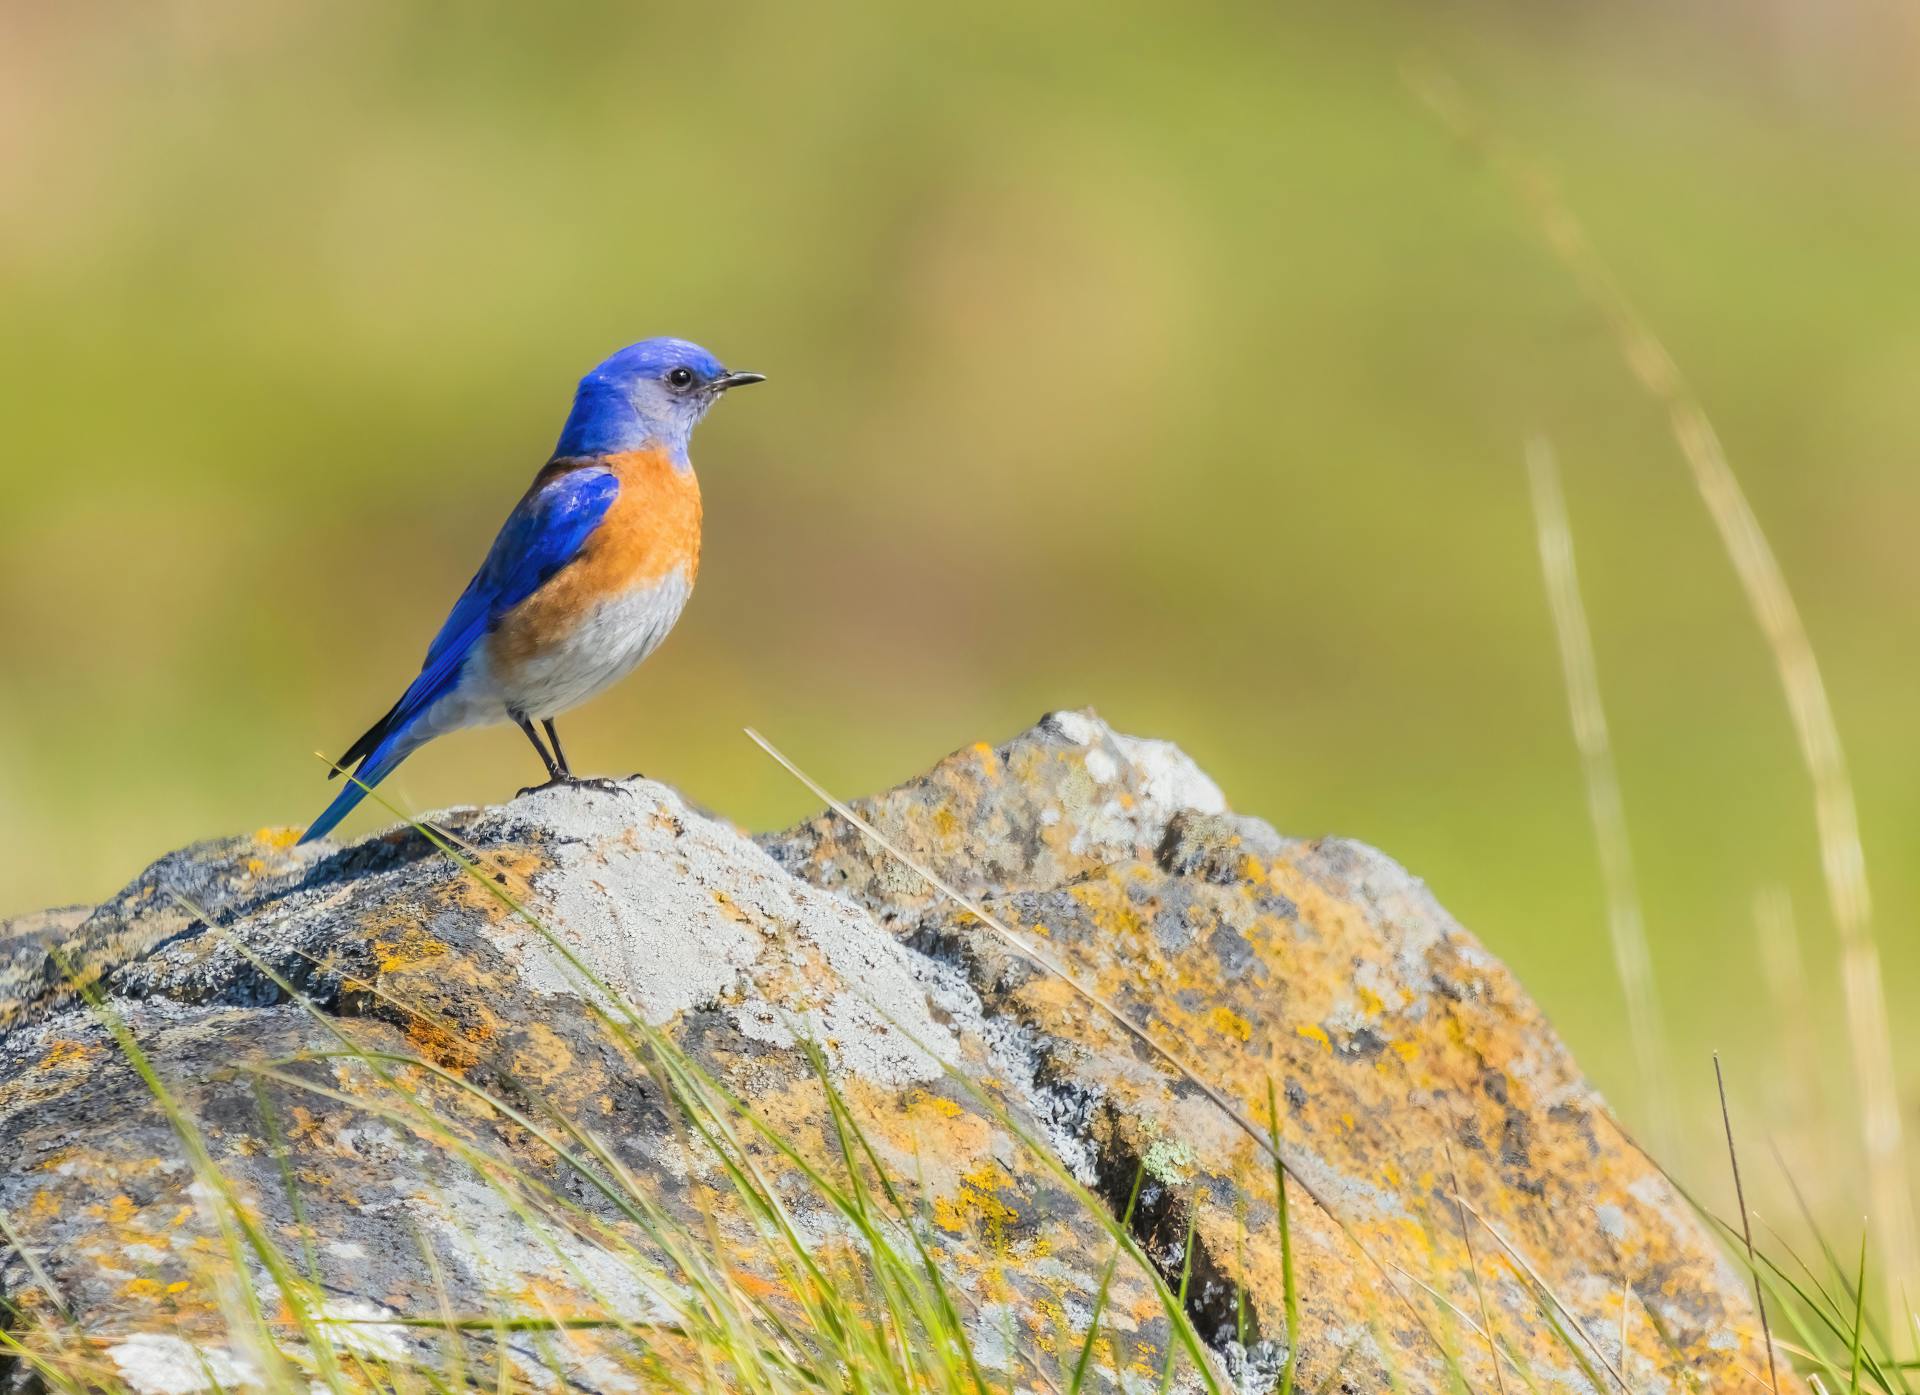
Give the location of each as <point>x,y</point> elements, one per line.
<point>605,783</point>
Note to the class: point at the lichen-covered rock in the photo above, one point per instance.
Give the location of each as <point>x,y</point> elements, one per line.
<point>1407,1066</point>
<point>391,1066</point>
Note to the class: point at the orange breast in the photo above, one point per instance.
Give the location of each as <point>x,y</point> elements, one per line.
<point>651,530</point>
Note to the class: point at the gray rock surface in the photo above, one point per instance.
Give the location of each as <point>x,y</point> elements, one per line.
<point>368,1039</point>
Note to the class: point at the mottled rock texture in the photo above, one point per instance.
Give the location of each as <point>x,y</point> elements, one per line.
<point>308,1007</point>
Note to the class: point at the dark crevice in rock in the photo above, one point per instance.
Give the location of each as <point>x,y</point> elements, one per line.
<point>1160,1222</point>
<point>17,1376</point>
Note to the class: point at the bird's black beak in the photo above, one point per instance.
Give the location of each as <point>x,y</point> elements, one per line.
<point>734,380</point>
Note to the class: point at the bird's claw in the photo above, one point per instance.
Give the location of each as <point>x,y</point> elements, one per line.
<point>605,783</point>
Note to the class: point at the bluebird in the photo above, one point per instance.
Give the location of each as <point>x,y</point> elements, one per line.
<point>590,571</point>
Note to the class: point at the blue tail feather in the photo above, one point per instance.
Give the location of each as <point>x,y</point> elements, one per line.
<point>379,764</point>
<point>544,533</point>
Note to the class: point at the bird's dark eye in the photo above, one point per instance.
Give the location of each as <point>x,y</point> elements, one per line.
<point>680,379</point>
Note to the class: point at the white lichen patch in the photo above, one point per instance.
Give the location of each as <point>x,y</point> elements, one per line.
<point>1102,766</point>
<point>671,911</point>
<point>628,899</point>
<point>1170,779</point>
<point>366,1328</point>
<point>500,1252</point>
<point>154,1363</point>
<point>1077,727</point>
<point>1169,1161</point>
<point>1132,787</point>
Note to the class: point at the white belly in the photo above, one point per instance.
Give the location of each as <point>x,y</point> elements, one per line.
<point>607,643</point>
<point>604,647</point>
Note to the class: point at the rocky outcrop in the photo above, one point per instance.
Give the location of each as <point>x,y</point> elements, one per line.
<point>436,1089</point>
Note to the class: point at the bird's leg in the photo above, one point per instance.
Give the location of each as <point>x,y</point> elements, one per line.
<point>553,738</point>
<point>556,773</point>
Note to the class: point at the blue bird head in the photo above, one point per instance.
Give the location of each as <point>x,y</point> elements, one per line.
<point>649,394</point>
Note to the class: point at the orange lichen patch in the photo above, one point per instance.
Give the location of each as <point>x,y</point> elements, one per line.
<point>796,1110</point>
<point>755,1285</point>
<point>1313,1031</point>
<point>729,907</point>
<point>65,1052</point>
<point>939,1104</point>
<point>503,871</point>
<point>31,1299</point>
<point>923,1136</point>
<point>411,951</point>
<point>544,1056</point>
<point>444,1001</point>
<point>1229,1023</point>
<point>278,839</point>
<point>450,1044</point>
<point>1052,994</point>
<point>122,1237</point>
<point>1115,915</point>
<point>977,1206</point>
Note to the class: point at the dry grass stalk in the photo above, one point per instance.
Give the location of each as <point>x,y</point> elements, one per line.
<point>1626,926</point>
<point>1842,861</point>
<point>1746,1227</point>
<point>1797,1087</point>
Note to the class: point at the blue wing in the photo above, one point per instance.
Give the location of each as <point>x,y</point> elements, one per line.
<point>545,531</point>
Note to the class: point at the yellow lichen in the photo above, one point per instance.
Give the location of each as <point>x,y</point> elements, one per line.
<point>1229,1023</point>
<point>976,1204</point>
<point>939,1104</point>
<point>65,1052</point>
<point>545,1057</point>
<point>409,952</point>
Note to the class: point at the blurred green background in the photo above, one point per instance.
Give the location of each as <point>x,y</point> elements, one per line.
<point>1168,359</point>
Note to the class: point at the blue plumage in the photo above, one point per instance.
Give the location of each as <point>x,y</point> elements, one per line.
<point>545,532</point>
<point>609,416</point>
